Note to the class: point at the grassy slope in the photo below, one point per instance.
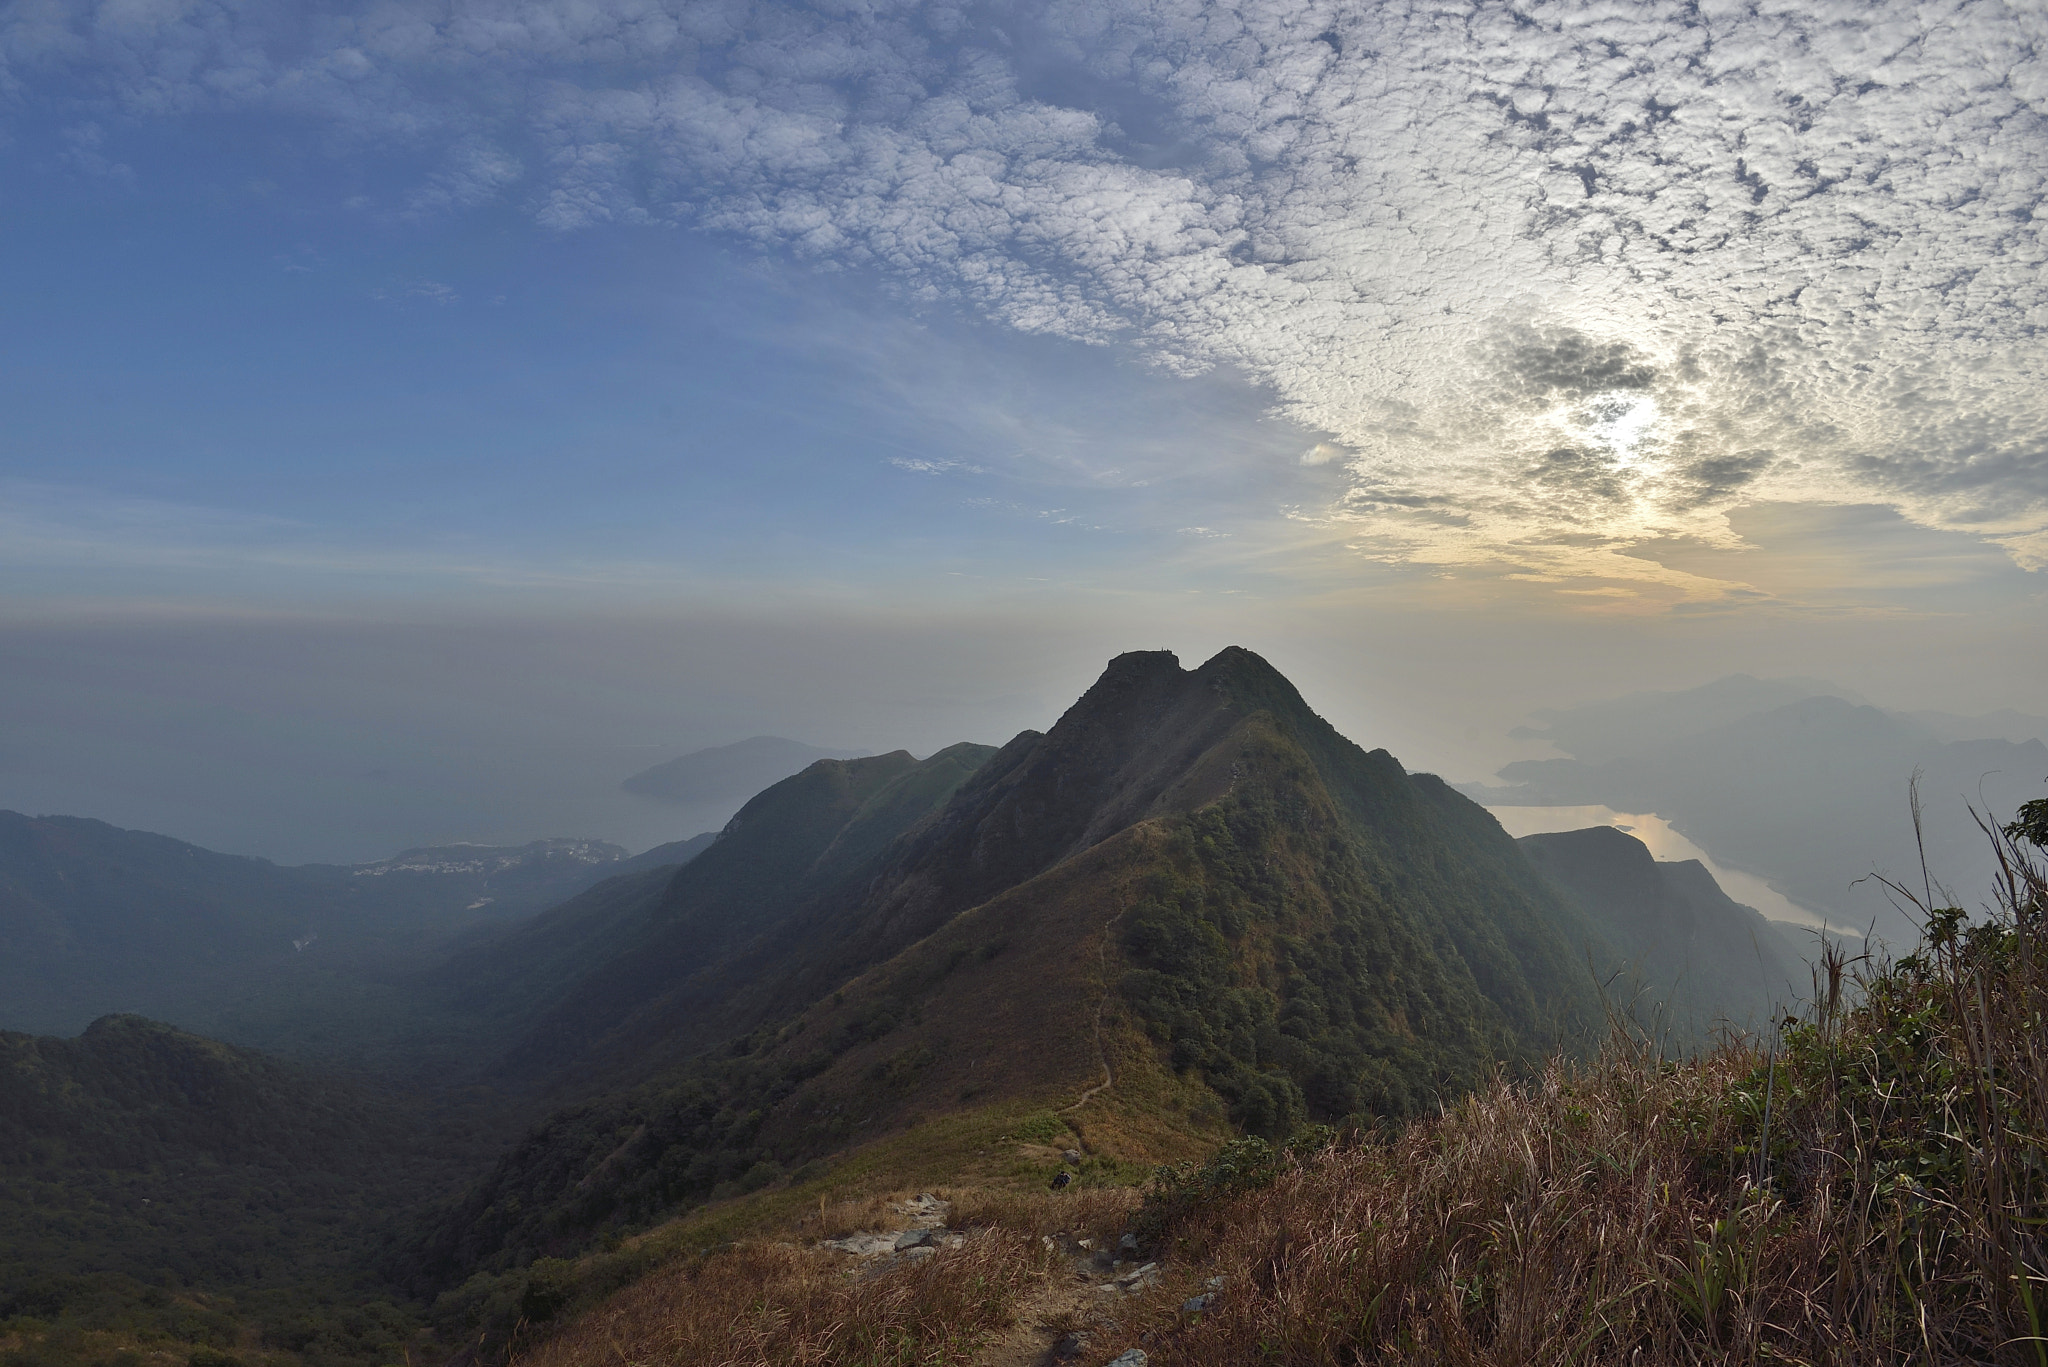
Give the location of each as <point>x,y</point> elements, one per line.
<point>651,969</point>
<point>1874,1190</point>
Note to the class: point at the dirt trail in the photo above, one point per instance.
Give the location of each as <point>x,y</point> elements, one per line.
<point>1064,1300</point>
<point>1088,1094</point>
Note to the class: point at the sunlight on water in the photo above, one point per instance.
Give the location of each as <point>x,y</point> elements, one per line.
<point>1665,844</point>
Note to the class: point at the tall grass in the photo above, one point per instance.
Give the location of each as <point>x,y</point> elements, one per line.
<point>1872,1186</point>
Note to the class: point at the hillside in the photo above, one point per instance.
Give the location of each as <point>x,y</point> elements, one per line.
<point>1187,912</point>
<point>1191,889</point>
<point>140,1165</point>
<point>303,960</point>
<point>1694,956</point>
<point>1864,1184</point>
<point>650,965</point>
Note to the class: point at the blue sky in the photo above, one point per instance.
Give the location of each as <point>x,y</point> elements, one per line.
<point>489,393</point>
<point>480,398</point>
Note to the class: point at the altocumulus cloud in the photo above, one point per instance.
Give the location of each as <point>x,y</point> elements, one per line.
<point>1557,279</point>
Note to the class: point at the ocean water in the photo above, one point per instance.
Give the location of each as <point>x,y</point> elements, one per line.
<point>1666,844</point>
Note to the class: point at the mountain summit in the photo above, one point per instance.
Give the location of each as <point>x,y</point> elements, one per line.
<point>1190,906</point>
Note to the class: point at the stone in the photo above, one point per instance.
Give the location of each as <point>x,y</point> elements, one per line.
<point>920,1253</point>
<point>1197,1304</point>
<point>1135,1357</point>
<point>1071,1155</point>
<point>913,1238</point>
<point>925,1209</point>
<point>1127,1244</point>
<point>1072,1346</point>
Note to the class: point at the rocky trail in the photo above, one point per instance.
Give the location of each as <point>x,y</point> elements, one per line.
<point>1071,1314</point>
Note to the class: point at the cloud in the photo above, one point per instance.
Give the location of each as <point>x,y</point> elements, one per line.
<point>919,466</point>
<point>418,292</point>
<point>1557,278</point>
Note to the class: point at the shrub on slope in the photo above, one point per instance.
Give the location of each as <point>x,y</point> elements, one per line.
<point>1871,1187</point>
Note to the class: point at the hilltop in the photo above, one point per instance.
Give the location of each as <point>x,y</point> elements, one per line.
<point>1698,958</point>
<point>1189,908</point>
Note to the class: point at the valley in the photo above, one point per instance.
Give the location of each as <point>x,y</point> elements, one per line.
<point>989,1037</point>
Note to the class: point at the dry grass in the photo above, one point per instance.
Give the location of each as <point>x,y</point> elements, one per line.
<point>761,1304</point>
<point>1084,1212</point>
<point>855,1215</point>
<point>1867,1185</point>
<point>1871,1187</point>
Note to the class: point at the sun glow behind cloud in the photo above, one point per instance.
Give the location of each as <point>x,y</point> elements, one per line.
<point>1559,281</point>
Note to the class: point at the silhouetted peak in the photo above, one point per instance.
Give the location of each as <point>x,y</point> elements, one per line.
<point>1235,661</point>
<point>1601,842</point>
<point>1138,668</point>
<point>1250,681</point>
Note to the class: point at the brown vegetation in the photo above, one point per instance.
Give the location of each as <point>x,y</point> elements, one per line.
<point>1868,1184</point>
<point>1870,1187</point>
<point>791,1307</point>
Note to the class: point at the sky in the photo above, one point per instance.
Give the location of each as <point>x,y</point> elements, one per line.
<point>417,416</point>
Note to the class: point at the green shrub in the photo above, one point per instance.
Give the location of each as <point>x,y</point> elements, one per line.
<point>1042,1128</point>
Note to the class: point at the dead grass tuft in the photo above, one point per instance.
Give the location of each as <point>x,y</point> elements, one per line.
<point>1084,1213</point>
<point>856,1215</point>
<point>775,1305</point>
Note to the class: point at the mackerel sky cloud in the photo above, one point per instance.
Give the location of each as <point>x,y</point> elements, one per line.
<point>1557,279</point>
<point>490,394</point>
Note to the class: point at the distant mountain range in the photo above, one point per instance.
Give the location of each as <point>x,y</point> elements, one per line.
<point>1190,909</point>
<point>1809,792</point>
<point>725,773</point>
<point>95,919</point>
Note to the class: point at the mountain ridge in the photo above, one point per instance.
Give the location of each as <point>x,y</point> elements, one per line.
<point>1190,877</point>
